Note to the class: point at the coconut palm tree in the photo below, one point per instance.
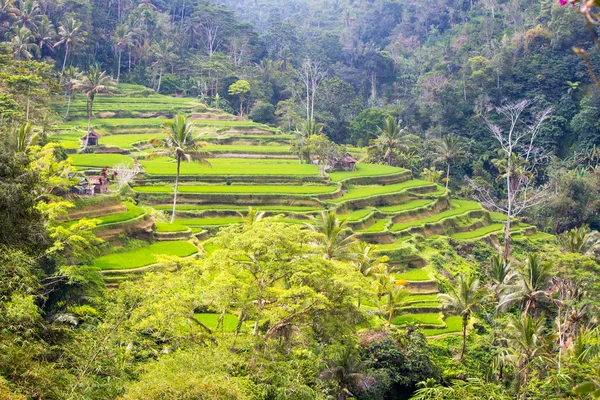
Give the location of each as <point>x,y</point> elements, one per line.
<point>463,299</point>
<point>30,15</point>
<point>530,287</point>
<point>122,39</point>
<point>367,262</point>
<point>301,145</point>
<point>580,240</point>
<point>70,37</point>
<point>161,52</point>
<point>447,151</point>
<point>347,370</point>
<point>70,78</point>
<point>94,82</point>
<point>45,35</point>
<point>181,144</point>
<point>527,345</point>
<point>253,216</point>
<point>501,274</point>
<point>23,46</point>
<point>391,138</point>
<point>396,298</point>
<point>333,234</point>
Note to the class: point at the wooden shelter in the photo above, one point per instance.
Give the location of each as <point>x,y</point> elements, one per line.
<point>92,138</point>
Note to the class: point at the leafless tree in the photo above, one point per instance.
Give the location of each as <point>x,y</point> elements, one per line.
<point>209,36</point>
<point>311,73</point>
<point>125,174</point>
<point>518,165</point>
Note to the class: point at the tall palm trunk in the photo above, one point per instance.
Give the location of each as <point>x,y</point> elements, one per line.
<point>176,189</point>
<point>159,80</point>
<point>65,61</point>
<point>89,104</point>
<point>119,67</point>
<point>447,174</point>
<point>68,107</point>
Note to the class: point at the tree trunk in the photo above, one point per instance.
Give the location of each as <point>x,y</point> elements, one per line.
<point>159,80</point>
<point>508,221</point>
<point>176,189</point>
<point>68,107</point>
<point>119,67</point>
<point>89,127</point>
<point>129,72</point>
<point>447,174</point>
<point>65,61</point>
<point>464,335</point>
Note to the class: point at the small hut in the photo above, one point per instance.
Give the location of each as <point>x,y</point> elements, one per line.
<point>97,185</point>
<point>92,138</point>
<point>349,162</point>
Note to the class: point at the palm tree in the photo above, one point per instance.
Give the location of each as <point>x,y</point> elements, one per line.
<point>580,240</point>
<point>392,137</point>
<point>70,37</point>
<point>70,78</point>
<point>527,346</point>
<point>464,298</point>
<point>45,35</point>
<point>181,144</point>
<point>23,46</point>
<point>501,274</point>
<point>252,217</point>
<point>396,298</point>
<point>530,288</point>
<point>162,54</point>
<point>300,145</point>
<point>30,15</point>
<point>95,82</point>
<point>333,236</point>
<point>366,262</point>
<point>121,39</point>
<point>24,137</point>
<point>346,369</point>
<point>449,150</point>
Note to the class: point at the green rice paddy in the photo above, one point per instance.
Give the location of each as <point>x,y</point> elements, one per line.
<point>144,256</point>
<point>233,189</point>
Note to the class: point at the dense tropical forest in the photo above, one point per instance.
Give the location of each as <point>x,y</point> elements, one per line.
<point>299,199</point>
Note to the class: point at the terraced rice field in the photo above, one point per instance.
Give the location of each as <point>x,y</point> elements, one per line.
<point>144,256</point>
<point>238,189</point>
<point>373,195</point>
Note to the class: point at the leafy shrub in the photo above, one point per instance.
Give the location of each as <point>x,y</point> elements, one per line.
<point>263,113</point>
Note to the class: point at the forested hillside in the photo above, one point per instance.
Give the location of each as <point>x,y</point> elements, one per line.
<point>299,199</point>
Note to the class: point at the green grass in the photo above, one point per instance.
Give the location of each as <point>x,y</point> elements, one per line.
<point>411,205</point>
<point>378,226</point>
<point>478,233</point>
<point>144,256</point>
<point>428,318</point>
<point>245,149</point>
<point>209,221</point>
<point>166,227</point>
<point>458,207</point>
<point>232,166</point>
<point>132,212</point>
<point>251,189</point>
<point>363,169</point>
<point>356,215</point>
<point>497,216</point>
<point>420,298</point>
<point>99,160</point>
<point>190,207</point>
<point>453,325</point>
<point>358,192</point>
<point>420,274</point>
<point>209,319</point>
